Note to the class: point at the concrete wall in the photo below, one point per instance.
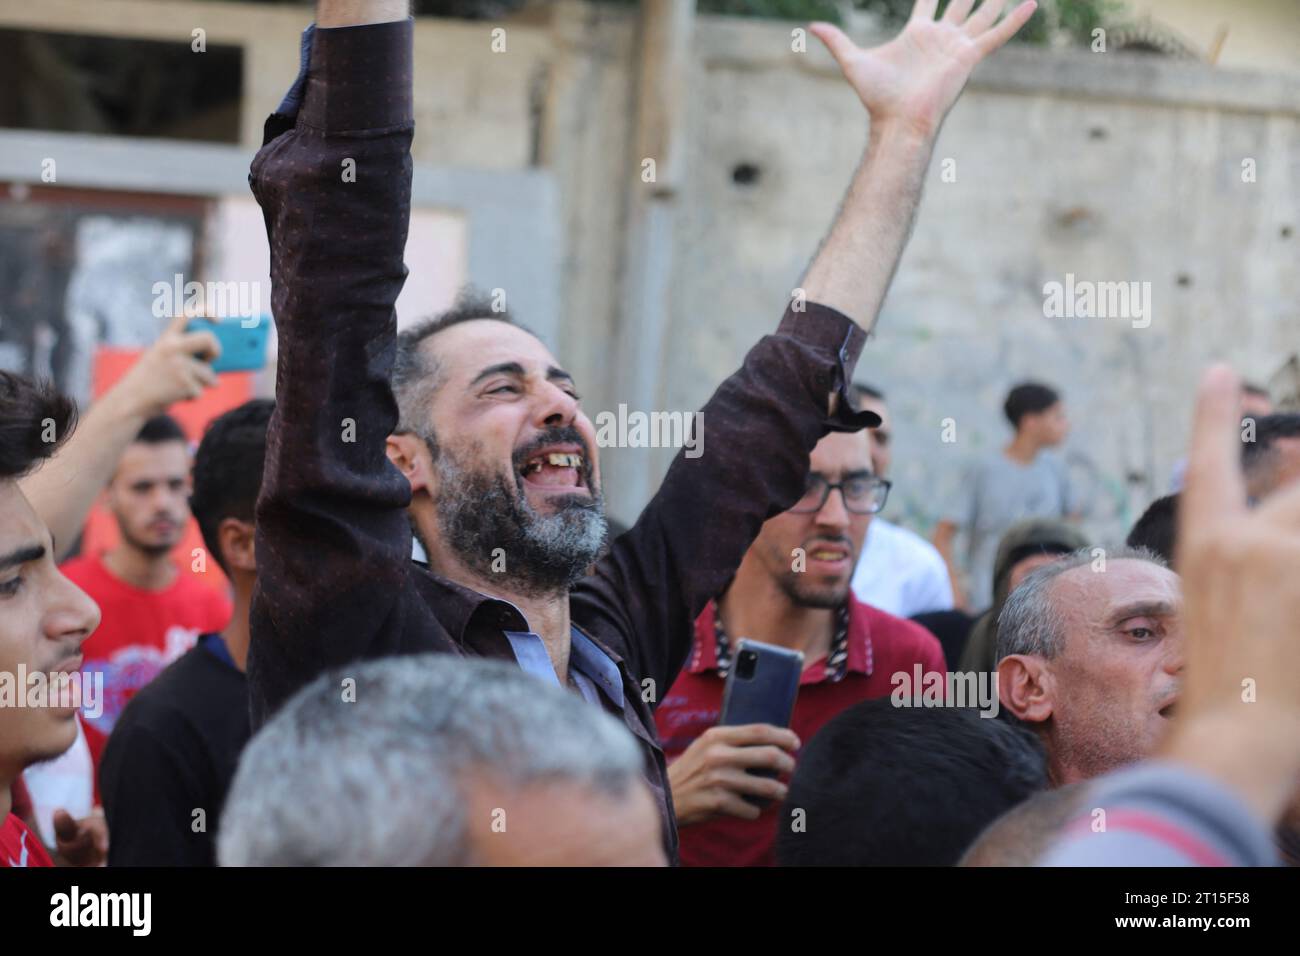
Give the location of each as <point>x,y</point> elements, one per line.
<point>1110,167</point>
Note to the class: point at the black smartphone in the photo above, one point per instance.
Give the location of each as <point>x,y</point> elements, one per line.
<point>761,689</point>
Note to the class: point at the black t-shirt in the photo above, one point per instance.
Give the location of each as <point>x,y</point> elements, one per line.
<point>170,759</point>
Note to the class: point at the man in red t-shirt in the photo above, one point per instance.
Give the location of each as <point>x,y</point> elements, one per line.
<point>44,617</point>
<point>152,611</point>
<point>791,589</point>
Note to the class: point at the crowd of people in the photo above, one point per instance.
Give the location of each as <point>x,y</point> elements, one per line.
<point>532,689</point>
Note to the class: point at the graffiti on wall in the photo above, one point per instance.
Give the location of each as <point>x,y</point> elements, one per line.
<point>78,273</point>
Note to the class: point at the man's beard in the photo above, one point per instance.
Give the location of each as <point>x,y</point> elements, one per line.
<point>803,593</point>
<point>496,533</point>
<point>149,549</point>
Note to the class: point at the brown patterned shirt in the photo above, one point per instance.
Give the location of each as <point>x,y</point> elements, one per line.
<point>335,579</point>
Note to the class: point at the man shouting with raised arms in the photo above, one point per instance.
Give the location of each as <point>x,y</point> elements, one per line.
<point>473,427</point>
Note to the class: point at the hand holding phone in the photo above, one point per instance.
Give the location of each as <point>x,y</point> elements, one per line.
<point>733,768</point>
<point>242,340</point>
<point>710,776</point>
<point>176,368</point>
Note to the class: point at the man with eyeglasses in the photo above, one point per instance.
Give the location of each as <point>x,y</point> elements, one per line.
<point>899,572</point>
<point>792,590</point>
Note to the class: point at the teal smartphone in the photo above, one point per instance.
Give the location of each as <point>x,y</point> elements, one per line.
<point>243,342</point>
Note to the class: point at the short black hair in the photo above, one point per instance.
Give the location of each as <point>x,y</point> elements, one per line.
<point>1024,834</point>
<point>1155,530</point>
<point>861,390</point>
<point>1268,429</point>
<point>228,469</point>
<point>1029,398</point>
<point>159,430</point>
<point>881,785</point>
<point>35,419</point>
<point>415,371</point>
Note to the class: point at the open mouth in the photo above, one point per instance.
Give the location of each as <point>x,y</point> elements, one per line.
<point>828,553</point>
<point>555,468</point>
<point>1168,711</point>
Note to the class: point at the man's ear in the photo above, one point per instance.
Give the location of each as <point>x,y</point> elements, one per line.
<point>411,456</point>
<point>1025,687</point>
<point>235,538</point>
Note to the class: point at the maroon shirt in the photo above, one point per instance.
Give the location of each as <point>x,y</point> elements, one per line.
<point>879,646</point>
<point>335,582</point>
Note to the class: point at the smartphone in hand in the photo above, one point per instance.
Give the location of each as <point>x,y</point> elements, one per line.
<point>243,342</point>
<point>761,689</point>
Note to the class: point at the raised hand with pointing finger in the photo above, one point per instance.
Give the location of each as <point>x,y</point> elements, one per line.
<point>1240,704</point>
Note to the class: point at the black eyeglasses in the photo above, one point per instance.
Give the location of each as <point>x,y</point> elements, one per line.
<point>862,496</point>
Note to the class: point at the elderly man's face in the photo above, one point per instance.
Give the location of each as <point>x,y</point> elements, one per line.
<point>563,824</point>
<point>1113,685</point>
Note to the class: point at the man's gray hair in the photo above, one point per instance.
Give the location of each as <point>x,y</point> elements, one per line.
<point>417,373</point>
<point>1030,622</point>
<point>367,765</point>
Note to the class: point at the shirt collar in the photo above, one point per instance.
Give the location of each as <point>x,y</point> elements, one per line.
<point>861,653</point>
<point>590,658</point>
<point>460,607</point>
<point>585,657</point>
